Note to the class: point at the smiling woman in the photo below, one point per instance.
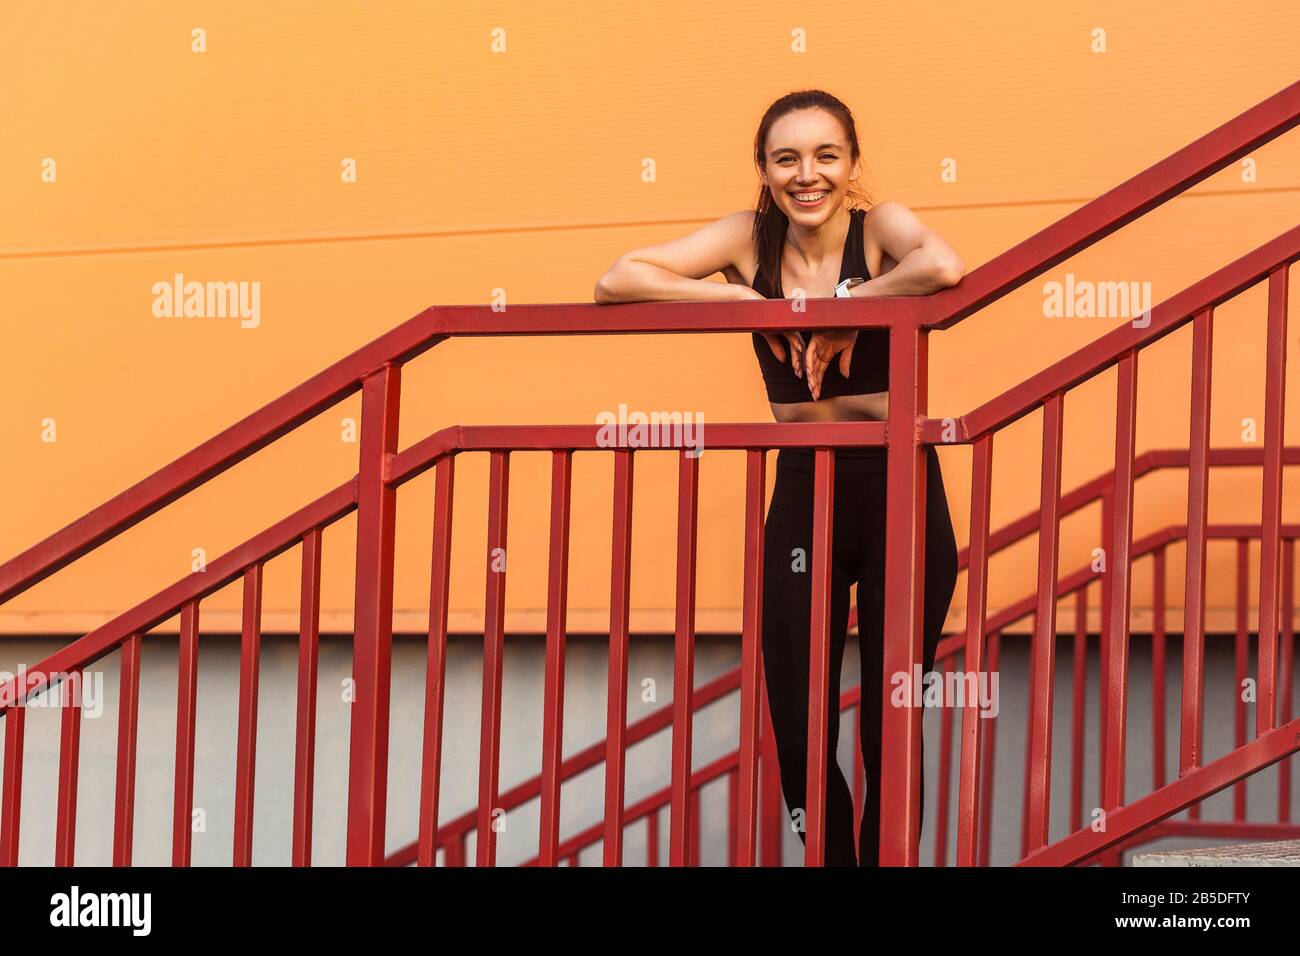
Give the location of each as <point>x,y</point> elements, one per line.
<point>810,235</point>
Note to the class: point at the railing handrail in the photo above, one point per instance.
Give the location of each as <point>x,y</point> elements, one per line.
<point>1106,350</point>
<point>1138,195</point>
<point>1130,200</point>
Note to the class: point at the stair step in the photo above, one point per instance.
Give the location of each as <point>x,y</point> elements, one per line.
<point>1275,853</point>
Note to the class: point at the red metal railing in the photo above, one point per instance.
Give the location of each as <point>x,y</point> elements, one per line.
<point>375,370</point>
<point>453,836</point>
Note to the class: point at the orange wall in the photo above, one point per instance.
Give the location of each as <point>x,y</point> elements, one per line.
<point>521,170</point>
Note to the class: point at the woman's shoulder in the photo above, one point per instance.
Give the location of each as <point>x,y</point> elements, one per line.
<point>883,217</point>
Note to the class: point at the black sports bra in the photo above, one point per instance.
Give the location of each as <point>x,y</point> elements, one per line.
<point>869,368</point>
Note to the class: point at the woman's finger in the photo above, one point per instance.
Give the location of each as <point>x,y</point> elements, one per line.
<point>816,366</point>
<point>796,352</point>
<point>846,360</point>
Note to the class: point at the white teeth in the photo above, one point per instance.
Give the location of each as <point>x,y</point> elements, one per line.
<point>809,197</point>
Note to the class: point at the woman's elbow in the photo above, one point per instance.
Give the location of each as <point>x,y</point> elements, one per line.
<point>948,270</point>
<point>607,289</point>
<point>602,295</point>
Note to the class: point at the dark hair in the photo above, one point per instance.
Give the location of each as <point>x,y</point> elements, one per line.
<point>770,222</point>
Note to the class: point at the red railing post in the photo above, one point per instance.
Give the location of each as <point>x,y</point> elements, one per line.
<point>69,753</point>
<point>771,803</point>
<point>308,662</point>
<point>680,822</point>
<point>556,632</point>
<point>372,640</point>
<point>436,670</point>
<point>988,757</point>
<point>187,685</point>
<point>1080,709</point>
<point>1043,649</point>
<point>819,658</point>
<point>1286,675</point>
<point>900,792</point>
<point>1158,668</point>
<point>751,660</point>
<point>494,650</point>
<point>128,711</point>
<point>619,611</point>
<point>945,768</point>
<point>1118,572</point>
<point>1270,538</point>
<point>1193,691</point>
<point>976,610</point>
<point>11,780</point>
<point>250,656</point>
<point>1241,648</point>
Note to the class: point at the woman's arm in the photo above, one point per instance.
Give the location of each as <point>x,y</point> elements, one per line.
<point>925,263</point>
<point>679,269</point>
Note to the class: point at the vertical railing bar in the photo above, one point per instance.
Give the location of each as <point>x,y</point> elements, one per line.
<point>652,839</point>
<point>819,657</point>
<point>619,610</point>
<point>1158,668</point>
<point>1242,649</point>
<point>1103,647</point>
<point>556,623</point>
<point>904,620</point>
<point>454,853</point>
<point>945,771</point>
<point>250,652</point>
<point>684,657</point>
<point>11,795</point>
<point>985,808</point>
<point>65,835</point>
<point>693,821</point>
<point>1193,688</point>
<point>305,731</point>
<point>372,636</point>
<point>751,662</point>
<point>1027,779</point>
<point>493,655</point>
<point>771,808</point>
<point>128,714</point>
<point>187,679</point>
<point>1287,673</point>
<point>1080,705</point>
<point>1270,540</point>
<point>733,785</point>
<point>1119,571</point>
<point>1043,649</point>
<point>436,671</point>
<point>977,586</point>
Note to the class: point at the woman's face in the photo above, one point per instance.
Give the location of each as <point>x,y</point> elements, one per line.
<point>807,166</point>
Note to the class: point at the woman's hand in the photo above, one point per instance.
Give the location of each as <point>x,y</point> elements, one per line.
<point>821,351</point>
<point>778,341</point>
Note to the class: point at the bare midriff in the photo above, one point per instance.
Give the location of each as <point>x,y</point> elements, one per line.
<point>873,406</point>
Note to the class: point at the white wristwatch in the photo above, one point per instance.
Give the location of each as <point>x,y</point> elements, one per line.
<point>842,290</point>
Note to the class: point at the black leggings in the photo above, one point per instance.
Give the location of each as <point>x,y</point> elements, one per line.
<point>858,547</point>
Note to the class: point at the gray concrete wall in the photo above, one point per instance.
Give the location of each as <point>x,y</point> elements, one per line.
<point>715,732</point>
